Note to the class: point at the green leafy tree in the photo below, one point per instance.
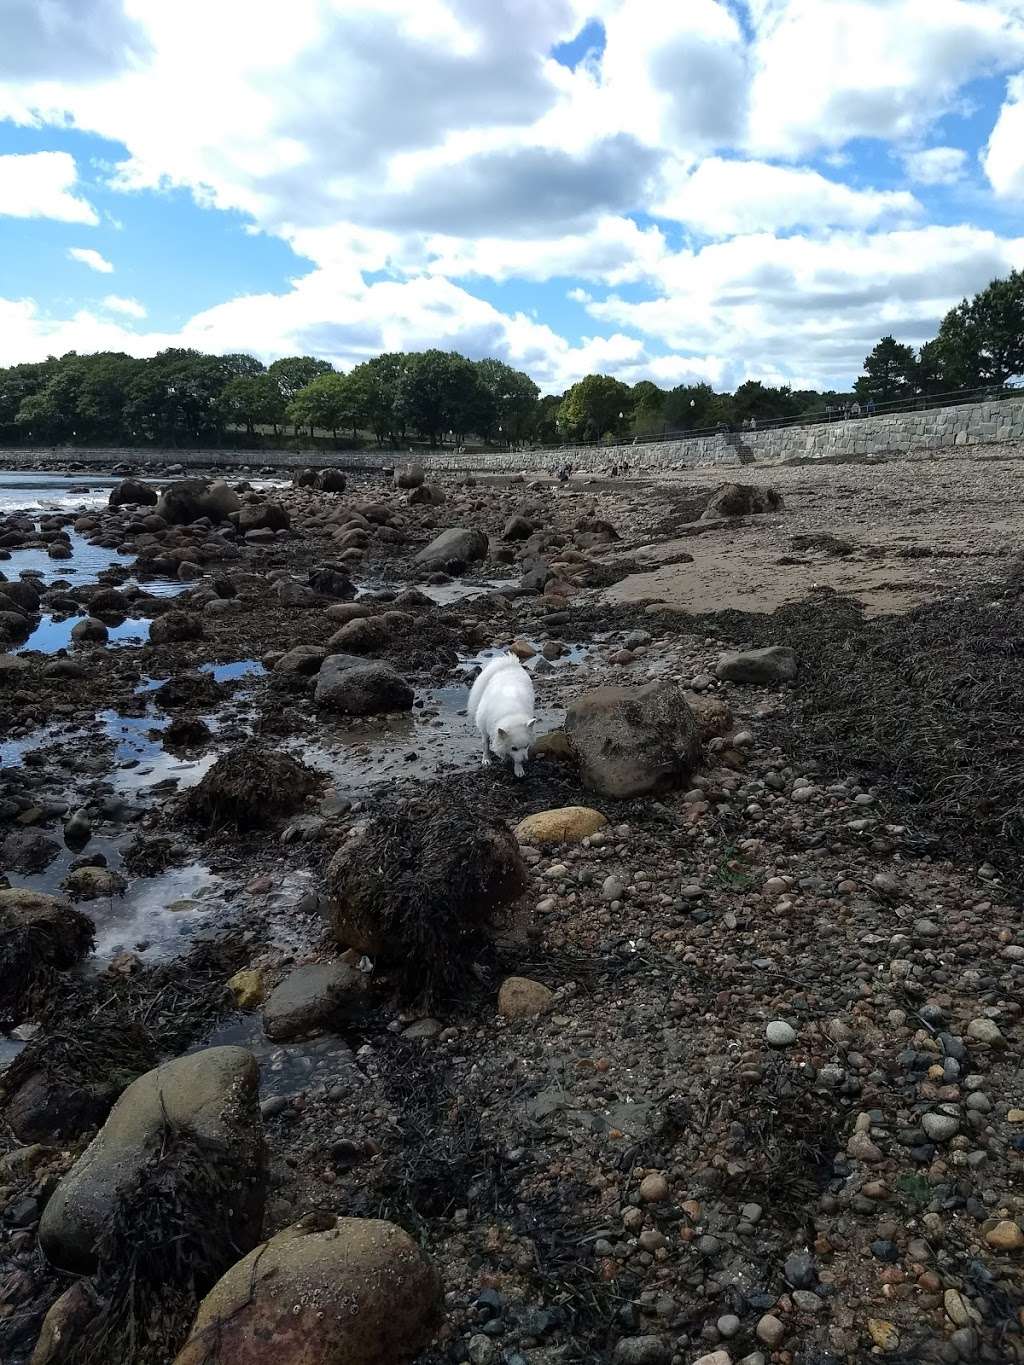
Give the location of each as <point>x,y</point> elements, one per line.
<point>252,401</point>
<point>998,317</point>
<point>687,407</point>
<point>648,402</point>
<point>325,403</point>
<point>176,398</point>
<point>51,413</point>
<point>238,365</point>
<point>508,401</point>
<point>372,388</point>
<point>104,383</point>
<point>292,373</point>
<point>437,391</point>
<point>888,372</point>
<point>545,422</point>
<point>595,407</point>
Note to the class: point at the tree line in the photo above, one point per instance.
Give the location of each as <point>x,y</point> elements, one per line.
<point>183,397</point>
<point>979,344</point>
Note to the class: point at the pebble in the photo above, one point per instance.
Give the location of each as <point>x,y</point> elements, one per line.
<point>883,1334</point>
<point>807,1301</point>
<point>956,1309</point>
<point>780,1034</point>
<point>940,1127</point>
<point>1005,1236</point>
<point>799,1270</point>
<point>715,1358</point>
<point>612,889</point>
<point>481,1350</point>
<point>984,1030</point>
<point>653,1189</point>
<point>770,1330</point>
<point>641,1351</point>
<point>728,1325</point>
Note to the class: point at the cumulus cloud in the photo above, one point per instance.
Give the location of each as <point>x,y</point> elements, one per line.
<point>1004,155</point>
<point>130,308</point>
<point>810,308</point>
<point>41,185</point>
<point>66,40</point>
<point>935,165</point>
<point>409,149</point>
<point>88,256</point>
<point>722,198</point>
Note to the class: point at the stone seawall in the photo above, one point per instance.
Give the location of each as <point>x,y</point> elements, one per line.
<point>906,433</point>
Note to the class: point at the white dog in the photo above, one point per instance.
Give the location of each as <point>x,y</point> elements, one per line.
<point>501,706</point>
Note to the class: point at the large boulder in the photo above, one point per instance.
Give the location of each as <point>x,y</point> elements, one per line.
<point>409,476</point>
<point>741,500</point>
<point>214,1095</point>
<point>332,481</point>
<point>354,687</point>
<point>304,660</point>
<point>23,594</point>
<point>454,547</point>
<point>419,886</point>
<point>249,788</point>
<point>263,516</point>
<point>630,741</point>
<point>332,581</point>
<point>174,627</point>
<point>314,996</point>
<point>325,1291</point>
<point>305,478</point>
<point>132,491</point>
<point>775,664</point>
<point>518,528</point>
<point>427,495</point>
<point>190,499</point>
<point>360,636</point>
<point>39,934</point>
<point>27,851</point>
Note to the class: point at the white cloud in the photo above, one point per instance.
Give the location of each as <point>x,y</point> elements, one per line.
<point>825,74</point>
<point>810,308</point>
<point>87,256</point>
<point>437,143</point>
<point>721,198</point>
<point>1004,155</point>
<point>131,308</point>
<point>40,185</point>
<point>935,165</point>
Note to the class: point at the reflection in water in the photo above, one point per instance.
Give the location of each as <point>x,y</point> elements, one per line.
<point>51,634</point>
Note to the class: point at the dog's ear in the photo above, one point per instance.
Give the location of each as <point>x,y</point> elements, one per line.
<point>502,732</point>
<point>531,723</point>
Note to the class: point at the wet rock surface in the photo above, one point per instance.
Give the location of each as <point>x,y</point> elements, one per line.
<point>722,1071</point>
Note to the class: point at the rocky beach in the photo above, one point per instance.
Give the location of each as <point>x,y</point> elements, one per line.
<point>698,1045</point>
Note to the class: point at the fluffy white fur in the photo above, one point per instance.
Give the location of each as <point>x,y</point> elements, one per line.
<point>501,707</point>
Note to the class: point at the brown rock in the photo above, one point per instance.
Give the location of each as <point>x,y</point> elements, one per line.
<point>325,1291</point>
<point>521,998</point>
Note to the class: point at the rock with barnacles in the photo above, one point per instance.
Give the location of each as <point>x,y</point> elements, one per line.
<point>325,1291</point>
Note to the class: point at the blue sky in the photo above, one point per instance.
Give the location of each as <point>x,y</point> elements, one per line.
<point>712,191</point>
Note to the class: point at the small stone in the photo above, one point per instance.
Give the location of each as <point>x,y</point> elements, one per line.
<point>521,998</point>
<point>641,1351</point>
<point>728,1325</point>
<point>612,889</point>
<point>780,1034</point>
<point>248,988</point>
<point>770,1330</point>
<point>654,1189</point>
<point>481,1350</point>
<point>799,1270</point>
<point>716,1357</point>
<point>940,1127</point>
<point>807,1301</point>
<point>883,1334</point>
<point>1005,1236</point>
<point>984,1030</point>
<point>861,1148</point>
<point>956,1309</point>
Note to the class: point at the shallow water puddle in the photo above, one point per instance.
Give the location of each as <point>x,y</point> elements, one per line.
<point>286,1069</point>
<point>52,634</point>
<point>162,913</point>
<point>241,668</point>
